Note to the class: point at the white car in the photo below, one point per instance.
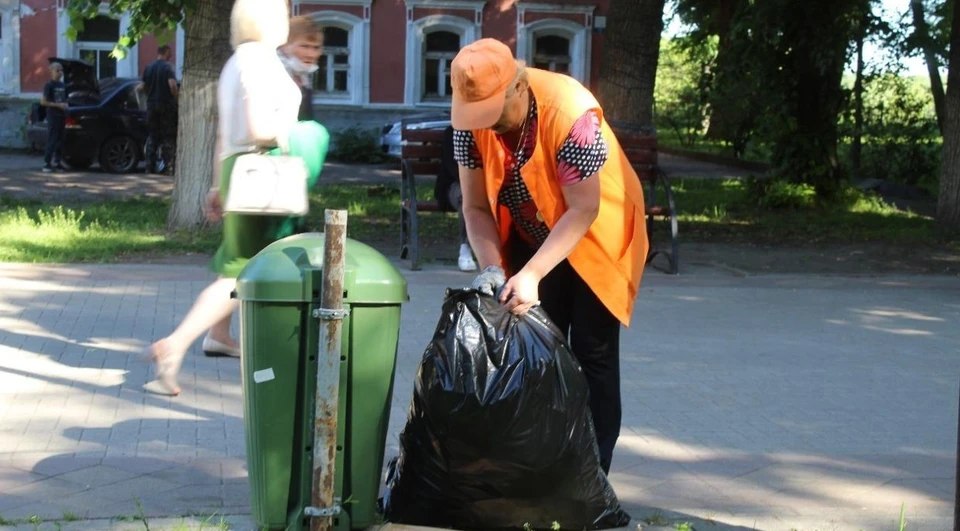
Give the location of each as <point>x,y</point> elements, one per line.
<point>390,140</point>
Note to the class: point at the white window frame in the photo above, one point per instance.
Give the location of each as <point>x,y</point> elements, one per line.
<point>331,67</point>
<point>443,58</point>
<point>9,49</point>
<point>180,49</point>
<point>358,75</point>
<point>417,30</point>
<point>67,49</point>
<point>98,47</point>
<point>579,34</point>
<point>553,63</point>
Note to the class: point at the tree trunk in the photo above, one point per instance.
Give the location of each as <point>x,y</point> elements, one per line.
<point>930,56</point>
<point>948,206</point>
<point>631,52</point>
<point>813,52</point>
<point>722,119</point>
<point>857,147</point>
<point>207,48</point>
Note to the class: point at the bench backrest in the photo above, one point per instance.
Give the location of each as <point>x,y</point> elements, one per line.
<point>640,147</point>
<point>422,150</point>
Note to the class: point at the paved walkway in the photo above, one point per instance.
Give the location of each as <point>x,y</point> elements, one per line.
<point>20,177</point>
<point>766,402</point>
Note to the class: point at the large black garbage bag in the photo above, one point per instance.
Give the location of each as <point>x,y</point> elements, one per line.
<point>499,434</point>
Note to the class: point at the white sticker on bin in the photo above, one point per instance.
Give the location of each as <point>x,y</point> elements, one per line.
<point>263,376</point>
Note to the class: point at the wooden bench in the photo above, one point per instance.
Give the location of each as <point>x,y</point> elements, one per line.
<point>420,154</point>
<point>640,146</point>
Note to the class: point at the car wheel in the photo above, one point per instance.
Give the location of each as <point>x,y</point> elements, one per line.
<point>119,155</point>
<point>77,163</point>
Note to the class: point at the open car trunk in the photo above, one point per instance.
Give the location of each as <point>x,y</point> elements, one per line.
<point>80,78</point>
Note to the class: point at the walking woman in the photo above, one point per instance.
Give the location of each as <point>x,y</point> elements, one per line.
<point>258,103</point>
<point>552,203</point>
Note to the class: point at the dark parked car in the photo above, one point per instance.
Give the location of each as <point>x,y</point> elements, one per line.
<point>106,120</point>
<point>390,138</point>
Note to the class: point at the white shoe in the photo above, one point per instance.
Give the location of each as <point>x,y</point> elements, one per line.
<point>213,348</point>
<point>466,263</point>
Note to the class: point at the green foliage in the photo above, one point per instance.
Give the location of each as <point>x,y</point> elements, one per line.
<point>778,74</point>
<point>906,41</point>
<point>901,140</point>
<point>683,80</point>
<point>356,145</point>
<point>777,194</point>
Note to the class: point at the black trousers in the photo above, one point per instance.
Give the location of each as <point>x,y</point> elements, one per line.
<point>55,131</point>
<point>161,131</point>
<point>594,336</point>
<point>456,199</point>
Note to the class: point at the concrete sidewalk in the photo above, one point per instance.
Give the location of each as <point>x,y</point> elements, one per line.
<point>765,402</point>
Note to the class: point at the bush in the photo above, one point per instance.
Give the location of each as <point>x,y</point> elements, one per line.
<point>775,194</point>
<point>901,139</point>
<point>356,145</point>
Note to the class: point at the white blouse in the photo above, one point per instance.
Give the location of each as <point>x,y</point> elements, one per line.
<point>255,93</point>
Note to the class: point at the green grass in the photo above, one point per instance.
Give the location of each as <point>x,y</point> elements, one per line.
<point>726,211</point>
<point>34,232</point>
<point>709,211</point>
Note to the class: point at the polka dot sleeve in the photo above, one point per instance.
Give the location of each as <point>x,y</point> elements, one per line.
<point>584,151</point>
<point>465,150</point>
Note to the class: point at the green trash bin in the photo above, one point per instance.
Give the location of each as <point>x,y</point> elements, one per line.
<point>279,290</point>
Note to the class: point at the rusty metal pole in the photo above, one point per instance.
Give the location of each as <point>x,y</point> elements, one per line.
<point>331,314</point>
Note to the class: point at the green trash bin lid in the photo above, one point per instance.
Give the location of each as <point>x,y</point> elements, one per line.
<point>290,270</point>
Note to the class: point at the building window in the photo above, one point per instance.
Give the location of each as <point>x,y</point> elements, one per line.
<point>440,47</point>
<point>333,76</point>
<point>9,51</point>
<point>552,52</point>
<point>432,43</point>
<point>95,43</point>
<point>558,45</point>
<point>341,76</point>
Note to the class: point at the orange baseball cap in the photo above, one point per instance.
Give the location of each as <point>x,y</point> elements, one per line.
<point>480,75</point>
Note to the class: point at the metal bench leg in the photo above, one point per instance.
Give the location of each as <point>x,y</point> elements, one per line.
<point>674,224</point>
<point>414,237</point>
<point>404,213</point>
<point>404,231</point>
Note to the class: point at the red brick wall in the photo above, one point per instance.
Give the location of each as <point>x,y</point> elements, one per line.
<point>424,12</point>
<point>147,51</point>
<point>306,9</point>
<point>38,41</point>
<point>500,22</point>
<point>388,44</point>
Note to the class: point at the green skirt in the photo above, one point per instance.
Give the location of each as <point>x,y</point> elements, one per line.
<point>246,235</point>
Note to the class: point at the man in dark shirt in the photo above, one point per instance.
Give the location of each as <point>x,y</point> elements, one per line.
<point>54,98</point>
<point>160,85</point>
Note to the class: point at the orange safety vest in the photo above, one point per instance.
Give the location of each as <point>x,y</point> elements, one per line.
<point>611,256</point>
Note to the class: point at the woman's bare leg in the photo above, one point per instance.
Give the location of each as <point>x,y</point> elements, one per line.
<point>212,308</point>
<point>221,331</point>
